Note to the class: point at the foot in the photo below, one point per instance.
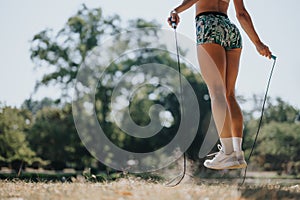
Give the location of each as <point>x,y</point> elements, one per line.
<point>241,159</point>
<point>223,161</point>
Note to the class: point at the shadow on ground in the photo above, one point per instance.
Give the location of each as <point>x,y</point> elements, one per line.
<point>265,192</point>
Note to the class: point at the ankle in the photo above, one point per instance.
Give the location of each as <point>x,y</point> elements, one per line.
<point>227,145</point>
<point>237,143</point>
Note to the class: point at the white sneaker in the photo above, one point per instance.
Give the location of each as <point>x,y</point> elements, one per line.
<point>241,159</point>
<point>222,160</point>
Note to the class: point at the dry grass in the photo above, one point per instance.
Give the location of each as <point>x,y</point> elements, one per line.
<point>136,189</point>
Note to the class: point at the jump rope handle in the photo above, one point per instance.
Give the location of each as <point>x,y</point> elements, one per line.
<point>173,23</point>
<point>273,57</point>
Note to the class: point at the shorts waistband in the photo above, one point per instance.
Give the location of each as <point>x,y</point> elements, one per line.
<point>211,13</point>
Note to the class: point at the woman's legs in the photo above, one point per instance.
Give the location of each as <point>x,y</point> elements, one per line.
<point>213,63</point>
<point>233,59</point>
<point>212,60</point>
<point>219,68</point>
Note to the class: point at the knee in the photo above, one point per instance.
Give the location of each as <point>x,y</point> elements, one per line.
<point>230,96</point>
<point>217,93</point>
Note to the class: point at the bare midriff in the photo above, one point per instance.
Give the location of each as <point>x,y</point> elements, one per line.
<point>212,5</point>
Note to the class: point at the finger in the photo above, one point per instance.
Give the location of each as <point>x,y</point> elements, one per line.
<point>172,19</point>
<point>177,21</point>
<point>268,53</point>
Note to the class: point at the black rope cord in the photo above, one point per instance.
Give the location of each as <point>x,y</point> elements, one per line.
<point>260,120</point>
<point>182,175</point>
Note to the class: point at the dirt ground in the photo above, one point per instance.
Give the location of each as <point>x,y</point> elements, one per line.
<point>136,189</point>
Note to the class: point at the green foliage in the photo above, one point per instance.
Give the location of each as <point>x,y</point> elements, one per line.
<point>13,143</point>
<point>280,111</point>
<point>278,143</point>
<point>54,138</point>
<point>64,52</point>
<point>35,106</point>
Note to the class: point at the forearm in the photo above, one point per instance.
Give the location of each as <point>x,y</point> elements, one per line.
<point>247,24</point>
<point>185,5</point>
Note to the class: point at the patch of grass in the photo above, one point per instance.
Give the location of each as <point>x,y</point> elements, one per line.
<point>271,192</point>
<point>70,177</point>
<point>133,188</point>
<point>37,177</point>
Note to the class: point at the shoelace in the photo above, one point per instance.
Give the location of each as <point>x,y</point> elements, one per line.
<point>220,149</point>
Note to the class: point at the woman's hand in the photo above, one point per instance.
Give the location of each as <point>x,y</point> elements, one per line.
<point>174,18</point>
<point>263,50</point>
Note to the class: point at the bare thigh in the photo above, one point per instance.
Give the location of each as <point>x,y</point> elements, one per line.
<point>233,61</point>
<point>232,69</point>
<point>212,61</point>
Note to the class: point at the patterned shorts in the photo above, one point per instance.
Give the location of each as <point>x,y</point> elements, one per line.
<point>214,27</point>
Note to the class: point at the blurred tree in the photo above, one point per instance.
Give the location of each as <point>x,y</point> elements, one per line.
<point>279,140</point>
<point>280,111</point>
<point>54,138</point>
<point>34,106</point>
<point>279,145</point>
<point>147,96</point>
<point>62,54</point>
<point>14,148</point>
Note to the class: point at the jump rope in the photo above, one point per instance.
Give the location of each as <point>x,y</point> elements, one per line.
<point>182,175</point>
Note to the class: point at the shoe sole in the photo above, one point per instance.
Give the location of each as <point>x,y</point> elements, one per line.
<point>239,166</point>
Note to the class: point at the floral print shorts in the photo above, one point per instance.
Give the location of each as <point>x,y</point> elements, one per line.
<point>215,27</point>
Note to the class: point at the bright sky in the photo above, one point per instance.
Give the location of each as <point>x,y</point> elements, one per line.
<point>277,23</point>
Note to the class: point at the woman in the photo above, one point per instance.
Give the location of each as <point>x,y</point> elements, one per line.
<point>219,47</point>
